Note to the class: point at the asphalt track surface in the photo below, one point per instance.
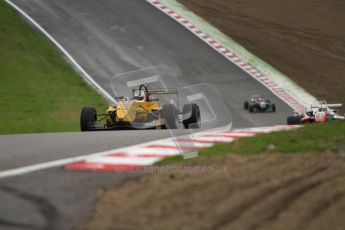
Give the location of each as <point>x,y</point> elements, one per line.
<point>109,37</point>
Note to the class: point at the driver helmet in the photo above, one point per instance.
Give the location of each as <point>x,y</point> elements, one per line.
<point>310,113</point>
<point>141,96</point>
<point>262,104</point>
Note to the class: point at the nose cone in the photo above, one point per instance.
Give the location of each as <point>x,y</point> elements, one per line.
<point>122,111</point>
<point>126,111</point>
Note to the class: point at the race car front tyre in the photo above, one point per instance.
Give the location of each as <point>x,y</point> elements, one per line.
<point>88,116</point>
<point>246,105</point>
<point>251,108</point>
<point>169,115</point>
<point>294,120</point>
<point>191,116</point>
<point>289,120</point>
<point>298,120</point>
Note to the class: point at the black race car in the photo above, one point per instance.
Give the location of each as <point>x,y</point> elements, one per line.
<point>258,104</point>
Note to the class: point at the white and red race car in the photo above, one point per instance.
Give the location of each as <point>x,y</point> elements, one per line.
<point>322,112</point>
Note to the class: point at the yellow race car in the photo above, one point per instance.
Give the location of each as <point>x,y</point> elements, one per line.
<point>142,111</point>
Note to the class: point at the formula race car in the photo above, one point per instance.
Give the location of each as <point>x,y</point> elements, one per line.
<point>142,111</point>
<point>322,112</point>
<point>258,104</point>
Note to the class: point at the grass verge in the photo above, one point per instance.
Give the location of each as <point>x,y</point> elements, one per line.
<point>316,138</point>
<point>39,91</point>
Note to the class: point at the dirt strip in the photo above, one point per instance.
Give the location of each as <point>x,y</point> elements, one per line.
<point>253,192</point>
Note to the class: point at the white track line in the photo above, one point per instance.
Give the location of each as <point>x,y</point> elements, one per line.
<point>69,57</point>
<point>37,167</point>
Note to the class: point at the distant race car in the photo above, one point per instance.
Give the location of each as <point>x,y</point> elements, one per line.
<point>142,111</point>
<point>322,112</point>
<point>258,104</point>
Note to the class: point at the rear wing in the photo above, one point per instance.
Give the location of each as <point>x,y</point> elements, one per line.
<point>327,105</point>
<point>157,91</point>
<point>335,105</point>
<point>166,91</point>
<point>163,91</point>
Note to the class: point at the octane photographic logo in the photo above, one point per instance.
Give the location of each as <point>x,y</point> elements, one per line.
<point>153,98</point>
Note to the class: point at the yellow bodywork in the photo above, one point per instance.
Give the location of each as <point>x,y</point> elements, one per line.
<point>132,111</point>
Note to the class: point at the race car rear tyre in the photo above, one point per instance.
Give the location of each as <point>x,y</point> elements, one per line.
<point>169,115</point>
<point>191,116</point>
<point>246,105</point>
<point>88,116</point>
<point>273,107</point>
